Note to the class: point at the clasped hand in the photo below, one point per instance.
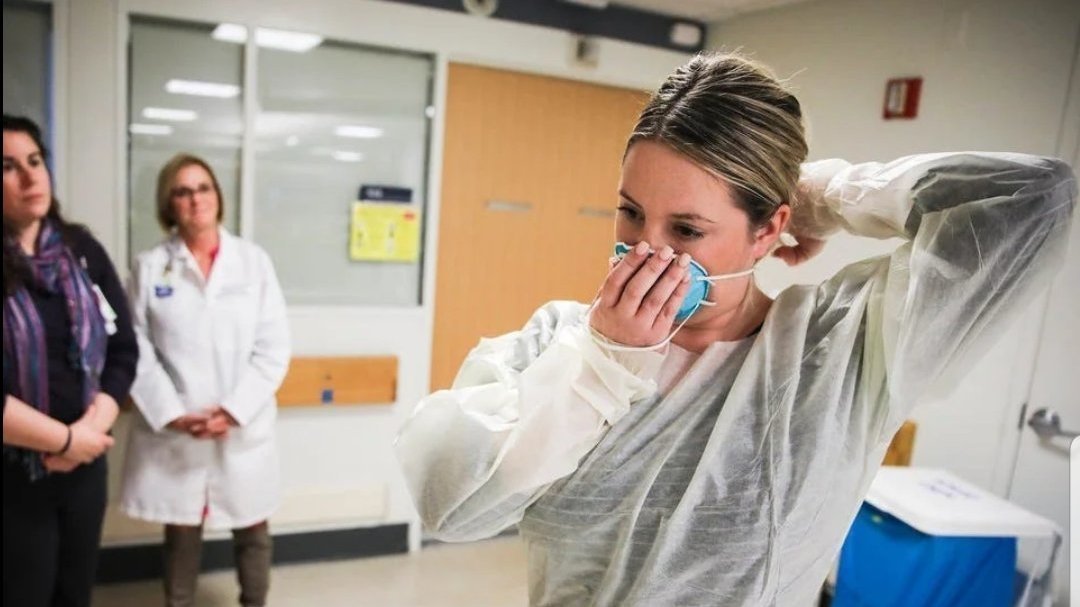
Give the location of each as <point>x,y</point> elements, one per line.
<point>210,423</point>
<point>89,436</point>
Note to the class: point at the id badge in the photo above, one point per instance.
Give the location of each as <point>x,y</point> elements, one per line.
<point>107,311</point>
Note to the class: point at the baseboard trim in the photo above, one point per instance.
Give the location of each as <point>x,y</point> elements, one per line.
<point>144,562</point>
<point>508,532</point>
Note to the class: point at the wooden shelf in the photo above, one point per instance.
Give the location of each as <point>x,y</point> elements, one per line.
<point>340,380</point>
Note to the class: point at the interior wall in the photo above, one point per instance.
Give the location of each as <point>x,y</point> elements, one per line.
<point>995,72</point>
<point>338,463</point>
<point>995,77</point>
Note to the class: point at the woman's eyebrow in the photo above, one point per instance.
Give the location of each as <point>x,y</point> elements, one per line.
<point>691,217</point>
<point>680,216</point>
<point>623,194</point>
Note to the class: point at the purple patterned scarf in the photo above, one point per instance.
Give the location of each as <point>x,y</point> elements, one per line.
<point>54,269</point>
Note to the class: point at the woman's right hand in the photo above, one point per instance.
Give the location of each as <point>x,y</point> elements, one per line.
<point>217,425</point>
<point>188,424</point>
<point>87,442</point>
<point>637,303</point>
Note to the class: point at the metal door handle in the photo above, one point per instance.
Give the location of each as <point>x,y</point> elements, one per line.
<point>509,206</point>
<point>596,212</point>
<point>1047,424</point>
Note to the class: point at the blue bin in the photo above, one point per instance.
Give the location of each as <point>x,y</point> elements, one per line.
<point>887,563</point>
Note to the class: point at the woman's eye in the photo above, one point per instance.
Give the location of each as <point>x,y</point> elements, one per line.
<point>687,232</point>
<point>630,213</point>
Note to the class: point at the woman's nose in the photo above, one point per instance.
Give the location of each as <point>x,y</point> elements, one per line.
<point>655,238</point>
<point>27,177</point>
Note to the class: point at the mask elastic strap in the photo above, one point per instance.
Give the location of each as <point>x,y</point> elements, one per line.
<point>709,279</point>
<point>746,272</point>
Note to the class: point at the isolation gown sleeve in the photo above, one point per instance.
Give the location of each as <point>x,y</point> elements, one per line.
<point>524,409</point>
<point>983,231</point>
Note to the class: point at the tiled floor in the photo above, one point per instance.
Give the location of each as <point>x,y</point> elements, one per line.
<point>481,574</point>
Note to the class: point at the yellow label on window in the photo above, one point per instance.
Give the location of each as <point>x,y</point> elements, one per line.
<point>384,232</point>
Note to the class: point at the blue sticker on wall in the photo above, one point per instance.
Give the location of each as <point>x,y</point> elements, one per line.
<point>163,290</point>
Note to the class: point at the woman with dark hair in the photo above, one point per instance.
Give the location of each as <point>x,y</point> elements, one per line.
<point>69,358</point>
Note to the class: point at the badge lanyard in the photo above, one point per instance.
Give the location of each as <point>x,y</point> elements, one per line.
<point>165,288</point>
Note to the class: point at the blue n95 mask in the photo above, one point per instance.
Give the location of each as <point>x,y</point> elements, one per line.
<point>700,281</point>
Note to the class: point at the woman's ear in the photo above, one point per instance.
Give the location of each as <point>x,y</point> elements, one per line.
<point>767,235</point>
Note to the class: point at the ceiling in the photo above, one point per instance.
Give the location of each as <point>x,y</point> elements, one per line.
<point>704,10</point>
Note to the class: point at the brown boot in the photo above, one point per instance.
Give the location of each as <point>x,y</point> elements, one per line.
<point>183,555</point>
<point>252,549</point>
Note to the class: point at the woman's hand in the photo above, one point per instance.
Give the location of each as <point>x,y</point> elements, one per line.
<point>637,304</point>
<point>87,441</point>
<point>217,424</point>
<point>105,411</point>
<point>213,422</point>
<point>806,248</point>
<point>89,436</point>
<point>192,423</point>
<point>58,464</point>
<point>812,221</point>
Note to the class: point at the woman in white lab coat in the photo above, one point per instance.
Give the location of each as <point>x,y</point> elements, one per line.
<point>214,344</point>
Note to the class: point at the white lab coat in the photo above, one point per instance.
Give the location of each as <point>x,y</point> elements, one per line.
<point>203,343</point>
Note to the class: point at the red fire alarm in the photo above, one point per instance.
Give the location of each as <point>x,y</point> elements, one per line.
<point>902,98</point>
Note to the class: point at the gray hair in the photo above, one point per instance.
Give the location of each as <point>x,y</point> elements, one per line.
<point>733,118</point>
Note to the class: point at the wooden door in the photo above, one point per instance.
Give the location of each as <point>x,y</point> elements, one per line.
<point>529,188</point>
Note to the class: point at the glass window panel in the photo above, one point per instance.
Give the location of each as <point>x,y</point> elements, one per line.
<point>309,171</point>
<point>185,96</point>
<point>27,65</point>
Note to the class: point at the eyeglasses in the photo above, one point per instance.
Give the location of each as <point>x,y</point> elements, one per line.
<point>203,189</point>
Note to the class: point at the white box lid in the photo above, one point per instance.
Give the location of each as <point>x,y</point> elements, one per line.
<point>938,502</point>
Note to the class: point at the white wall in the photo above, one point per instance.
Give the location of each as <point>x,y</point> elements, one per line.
<point>338,465</point>
<point>995,77</point>
<point>995,72</point>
